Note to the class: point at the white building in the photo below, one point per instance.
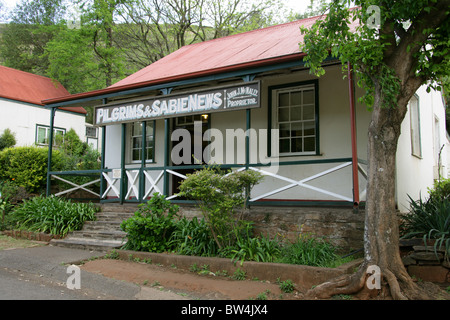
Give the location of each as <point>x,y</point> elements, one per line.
<point>255,82</point>
<point>22,111</point>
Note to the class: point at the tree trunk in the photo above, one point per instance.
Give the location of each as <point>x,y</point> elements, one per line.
<point>381,234</point>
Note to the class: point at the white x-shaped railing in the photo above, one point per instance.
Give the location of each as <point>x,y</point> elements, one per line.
<point>302,183</point>
<point>151,184</point>
<point>77,187</point>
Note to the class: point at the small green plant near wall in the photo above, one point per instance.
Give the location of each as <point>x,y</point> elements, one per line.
<point>51,215</point>
<point>152,226</point>
<point>430,219</point>
<point>221,196</point>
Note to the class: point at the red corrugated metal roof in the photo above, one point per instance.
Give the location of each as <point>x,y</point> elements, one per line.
<point>27,87</point>
<point>272,45</point>
<point>240,49</point>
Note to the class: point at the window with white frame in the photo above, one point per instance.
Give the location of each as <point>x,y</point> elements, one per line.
<point>136,141</point>
<point>295,116</point>
<point>414,111</point>
<point>43,134</point>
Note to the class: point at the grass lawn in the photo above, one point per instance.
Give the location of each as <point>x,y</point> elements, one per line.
<point>7,242</point>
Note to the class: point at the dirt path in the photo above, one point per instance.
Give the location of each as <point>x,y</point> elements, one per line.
<point>188,284</point>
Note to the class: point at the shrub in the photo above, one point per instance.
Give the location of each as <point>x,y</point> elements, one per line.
<point>222,198</point>
<point>286,286</point>
<point>310,251</point>
<point>27,166</point>
<point>440,190</point>
<point>260,249</point>
<point>7,139</point>
<point>151,227</point>
<point>193,238</point>
<point>51,215</point>
<point>429,219</point>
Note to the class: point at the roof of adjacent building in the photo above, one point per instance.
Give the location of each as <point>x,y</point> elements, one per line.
<point>31,88</point>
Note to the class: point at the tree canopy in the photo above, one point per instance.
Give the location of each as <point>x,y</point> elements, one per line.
<point>393,47</point>
<point>102,41</point>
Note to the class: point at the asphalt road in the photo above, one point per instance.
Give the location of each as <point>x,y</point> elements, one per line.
<point>41,273</point>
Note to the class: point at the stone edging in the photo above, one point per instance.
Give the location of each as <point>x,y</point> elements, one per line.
<point>30,235</point>
<point>303,276</point>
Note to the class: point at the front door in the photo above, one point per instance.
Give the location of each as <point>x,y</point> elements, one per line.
<point>188,155</point>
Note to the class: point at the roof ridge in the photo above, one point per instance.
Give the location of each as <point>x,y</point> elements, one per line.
<point>30,74</point>
<point>276,26</point>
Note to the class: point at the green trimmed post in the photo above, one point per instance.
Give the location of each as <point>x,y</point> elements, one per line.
<point>50,150</point>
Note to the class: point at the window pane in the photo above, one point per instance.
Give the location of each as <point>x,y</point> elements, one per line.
<point>310,144</point>
<point>136,154</point>
<point>296,113</point>
<point>309,128</point>
<point>284,145</point>
<point>283,100</point>
<point>137,129</point>
<point>284,130</point>
<point>42,136</point>
<point>296,98</point>
<point>296,145</point>
<point>308,113</point>
<point>308,97</point>
<point>137,143</point>
<point>296,129</point>
<point>283,114</point>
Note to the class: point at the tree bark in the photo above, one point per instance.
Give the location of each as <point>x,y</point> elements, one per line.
<point>381,234</point>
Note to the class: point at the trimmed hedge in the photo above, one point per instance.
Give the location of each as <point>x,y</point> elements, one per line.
<point>27,166</point>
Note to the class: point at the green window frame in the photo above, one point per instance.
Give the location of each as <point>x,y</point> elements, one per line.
<point>135,133</point>
<point>294,111</point>
<point>43,134</point>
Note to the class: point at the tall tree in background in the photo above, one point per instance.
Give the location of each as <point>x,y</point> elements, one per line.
<point>100,20</point>
<point>396,47</point>
<point>33,24</point>
<point>154,28</point>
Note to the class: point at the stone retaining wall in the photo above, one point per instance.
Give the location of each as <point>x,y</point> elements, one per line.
<point>340,226</point>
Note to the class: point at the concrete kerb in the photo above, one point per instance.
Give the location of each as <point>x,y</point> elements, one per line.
<point>304,277</point>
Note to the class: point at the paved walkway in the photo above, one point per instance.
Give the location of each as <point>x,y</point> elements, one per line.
<point>41,273</point>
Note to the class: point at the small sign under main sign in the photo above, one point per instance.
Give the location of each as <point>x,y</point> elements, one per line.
<point>230,98</point>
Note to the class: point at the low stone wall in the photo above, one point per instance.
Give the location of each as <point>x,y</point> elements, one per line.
<point>424,263</point>
<point>30,235</point>
<point>340,226</point>
<point>303,276</point>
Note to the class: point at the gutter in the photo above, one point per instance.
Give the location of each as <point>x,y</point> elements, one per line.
<point>167,82</point>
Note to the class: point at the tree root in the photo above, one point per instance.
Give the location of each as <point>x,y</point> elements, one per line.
<point>397,286</point>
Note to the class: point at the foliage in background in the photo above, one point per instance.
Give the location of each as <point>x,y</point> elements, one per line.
<point>310,251</point>
<point>193,238</point>
<point>222,197</point>
<point>110,39</point>
<point>157,227</point>
<point>27,166</point>
<point>430,218</point>
<point>51,215</point>
<point>76,154</point>
<point>151,227</point>
<point>7,139</point>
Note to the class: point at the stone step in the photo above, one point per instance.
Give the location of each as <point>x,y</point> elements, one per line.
<point>88,244</point>
<point>98,234</point>
<point>113,216</point>
<point>102,234</point>
<point>125,208</point>
<point>101,225</point>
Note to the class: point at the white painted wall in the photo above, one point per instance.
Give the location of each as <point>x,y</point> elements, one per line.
<point>22,118</point>
<point>415,175</point>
